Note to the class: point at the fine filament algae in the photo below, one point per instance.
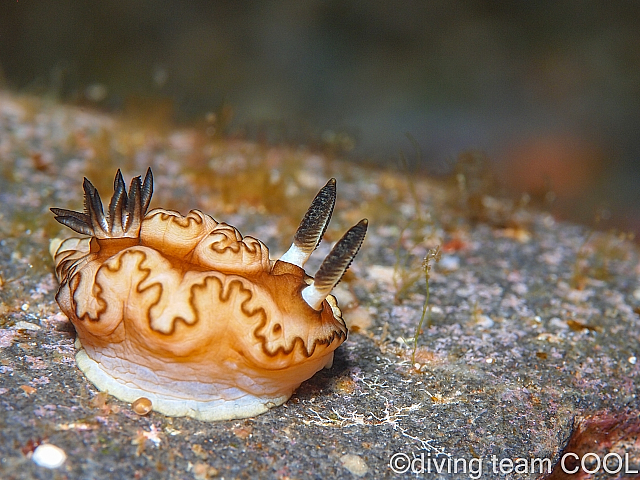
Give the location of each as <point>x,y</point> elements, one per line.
<point>432,255</point>
<point>404,277</point>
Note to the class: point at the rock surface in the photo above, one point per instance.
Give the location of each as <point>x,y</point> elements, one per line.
<point>531,322</point>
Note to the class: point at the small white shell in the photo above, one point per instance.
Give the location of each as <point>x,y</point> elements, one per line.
<point>49,456</point>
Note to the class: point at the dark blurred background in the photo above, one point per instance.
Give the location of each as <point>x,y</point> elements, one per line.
<point>548,90</point>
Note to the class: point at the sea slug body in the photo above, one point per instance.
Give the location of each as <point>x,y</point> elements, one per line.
<point>189,314</point>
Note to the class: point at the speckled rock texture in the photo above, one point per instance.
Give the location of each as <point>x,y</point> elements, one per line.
<point>532,324</point>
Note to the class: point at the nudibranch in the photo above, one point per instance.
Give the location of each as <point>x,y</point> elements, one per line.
<point>188,313</point>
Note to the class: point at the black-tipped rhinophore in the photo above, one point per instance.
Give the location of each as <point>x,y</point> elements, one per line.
<point>316,220</point>
<point>312,226</point>
<point>126,209</point>
<point>337,262</point>
<point>335,265</point>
